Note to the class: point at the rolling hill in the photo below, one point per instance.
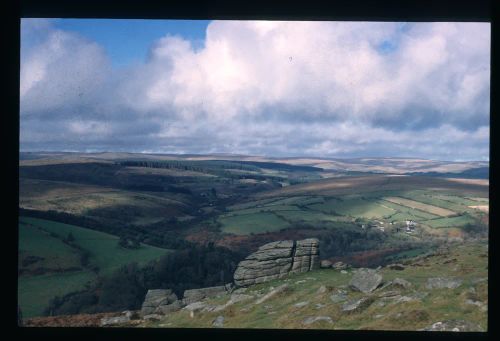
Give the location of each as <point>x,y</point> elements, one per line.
<point>49,266</point>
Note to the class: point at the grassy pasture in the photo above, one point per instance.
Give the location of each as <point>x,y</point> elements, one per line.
<point>411,213</point>
<point>270,208</point>
<point>456,200</point>
<point>450,222</point>
<point>481,200</point>
<point>328,205</point>
<point>252,223</point>
<point>421,206</point>
<point>356,207</point>
<point>436,199</point>
<point>252,204</point>
<point>277,201</point>
<point>299,200</point>
<point>306,216</point>
<point>34,239</point>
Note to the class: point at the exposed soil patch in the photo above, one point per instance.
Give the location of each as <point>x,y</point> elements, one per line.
<point>82,320</point>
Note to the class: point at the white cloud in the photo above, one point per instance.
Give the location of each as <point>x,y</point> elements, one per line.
<point>63,71</point>
<point>274,88</point>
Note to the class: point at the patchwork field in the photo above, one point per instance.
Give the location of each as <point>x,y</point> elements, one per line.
<point>442,212</point>
<point>434,208</point>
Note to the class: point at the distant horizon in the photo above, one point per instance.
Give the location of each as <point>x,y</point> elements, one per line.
<point>252,155</point>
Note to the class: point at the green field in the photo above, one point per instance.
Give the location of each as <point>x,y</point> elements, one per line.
<point>34,291</point>
<point>251,204</point>
<point>300,200</point>
<point>307,216</point>
<point>263,209</point>
<point>447,201</point>
<point>457,200</point>
<point>404,212</point>
<point>450,222</point>
<point>252,223</point>
<point>356,207</point>
<point>479,200</point>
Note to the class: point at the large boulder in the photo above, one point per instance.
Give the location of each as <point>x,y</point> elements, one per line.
<point>395,266</point>
<point>276,260</point>
<point>157,301</point>
<point>325,264</point>
<point>365,280</point>
<point>340,266</point>
<point>313,319</point>
<point>114,321</point>
<point>195,295</point>
<point>454,326</point>
<point>306,255</point>
<point>218,322</point>
<point>443,282</point>
<point>357,305</point>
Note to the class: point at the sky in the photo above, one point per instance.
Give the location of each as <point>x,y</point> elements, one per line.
<point>271,88</point>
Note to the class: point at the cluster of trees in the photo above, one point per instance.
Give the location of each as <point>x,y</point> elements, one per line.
<point>82,253</point>
<point>477,229</point>
<point>342,241</point>
<point>196,267</point>
<point>191,165</point>
<point>214,167</point>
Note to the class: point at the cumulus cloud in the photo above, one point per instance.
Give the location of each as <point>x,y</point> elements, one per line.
<point>269,88</point>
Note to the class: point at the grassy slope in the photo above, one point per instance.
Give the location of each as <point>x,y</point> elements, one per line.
<point>467,262</point>
<point>34,292</point>
<point>94,200</point>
